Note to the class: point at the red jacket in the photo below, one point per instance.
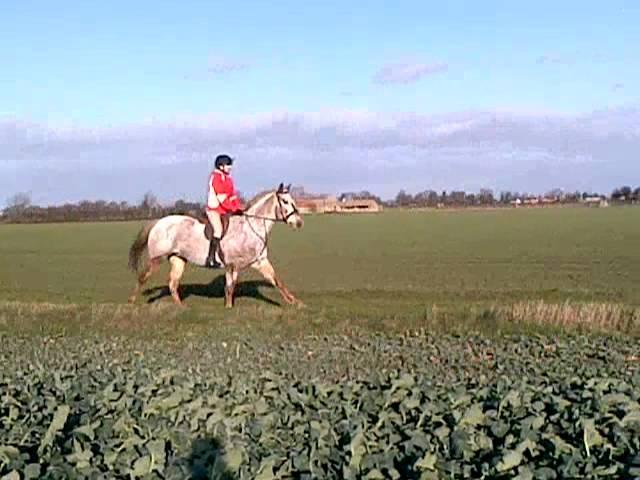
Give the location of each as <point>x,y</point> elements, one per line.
<point>222,197</point>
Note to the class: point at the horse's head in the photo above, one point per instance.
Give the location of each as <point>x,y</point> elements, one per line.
<point>287,210</point>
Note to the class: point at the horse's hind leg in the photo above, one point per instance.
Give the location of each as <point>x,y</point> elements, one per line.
<point>268,272</point>
<point>177,269</point>
<point>152,267</point>
<point>231,279</point>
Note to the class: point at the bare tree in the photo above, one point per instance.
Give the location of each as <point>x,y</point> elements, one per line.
<point>149,203</point>
<point>17,204</point>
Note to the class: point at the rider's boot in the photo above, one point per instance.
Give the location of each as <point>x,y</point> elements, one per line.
<point>211,258</point>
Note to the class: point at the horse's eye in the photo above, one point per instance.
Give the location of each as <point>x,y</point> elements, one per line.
<point>285,201</point>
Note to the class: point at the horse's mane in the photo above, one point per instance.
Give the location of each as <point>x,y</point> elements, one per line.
<point>256,198</point>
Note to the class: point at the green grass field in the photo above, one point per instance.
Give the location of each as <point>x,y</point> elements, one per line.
<point>396,268</point>
<point>494,344</point>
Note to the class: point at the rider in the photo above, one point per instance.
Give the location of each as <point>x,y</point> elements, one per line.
<point>222,199</point>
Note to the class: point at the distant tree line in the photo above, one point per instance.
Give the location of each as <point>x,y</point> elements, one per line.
<point>486,197</point>
<point>626,194</point>
<point>20,208</point>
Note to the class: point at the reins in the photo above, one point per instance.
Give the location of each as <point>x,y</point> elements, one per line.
<point>259,217</point>
<point>283,219</point>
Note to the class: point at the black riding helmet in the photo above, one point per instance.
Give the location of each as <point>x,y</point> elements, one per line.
<point>223,160</point>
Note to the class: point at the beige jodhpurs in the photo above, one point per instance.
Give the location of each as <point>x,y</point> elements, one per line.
<point>216,223</point>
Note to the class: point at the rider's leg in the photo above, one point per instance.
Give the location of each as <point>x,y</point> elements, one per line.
<point>216,223</point>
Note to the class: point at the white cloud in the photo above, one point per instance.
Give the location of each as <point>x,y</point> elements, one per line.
<point>330,150</point>
<point>407,72</point>
<point>221,64</point>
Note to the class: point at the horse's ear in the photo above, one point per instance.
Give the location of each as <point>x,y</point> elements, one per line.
<point>289,188</point>
<point>281,188</point>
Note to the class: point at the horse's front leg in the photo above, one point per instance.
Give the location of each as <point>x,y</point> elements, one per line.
<point>231,279</point>
<point>268,272</point>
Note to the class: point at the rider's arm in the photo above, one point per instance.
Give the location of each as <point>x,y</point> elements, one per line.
<point>228,200</point>
<point>218,188</point>
<point>234,200</point>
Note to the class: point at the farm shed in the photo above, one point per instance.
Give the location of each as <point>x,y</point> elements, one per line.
<point>317,204</point>
<point>595,201</point>
<point>359,206</point>
<point>330,204</point>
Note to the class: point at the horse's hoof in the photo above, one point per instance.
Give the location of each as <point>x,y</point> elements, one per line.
<point>293,301</point>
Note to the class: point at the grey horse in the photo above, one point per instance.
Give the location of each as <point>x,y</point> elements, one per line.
<point>182,239</point>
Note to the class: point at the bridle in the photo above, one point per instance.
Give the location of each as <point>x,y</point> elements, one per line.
<point>278,218</point>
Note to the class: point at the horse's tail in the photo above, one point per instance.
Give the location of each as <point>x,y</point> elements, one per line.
<point>139,246</point>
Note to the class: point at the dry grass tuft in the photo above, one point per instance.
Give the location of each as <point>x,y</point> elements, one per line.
<point>592,316</point>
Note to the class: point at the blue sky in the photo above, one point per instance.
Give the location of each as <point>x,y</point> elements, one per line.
<point>93,68</point>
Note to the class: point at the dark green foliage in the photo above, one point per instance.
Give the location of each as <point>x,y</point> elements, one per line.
<point>424,407</point>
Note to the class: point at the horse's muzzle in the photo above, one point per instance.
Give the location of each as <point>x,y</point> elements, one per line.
<point>297,222</point>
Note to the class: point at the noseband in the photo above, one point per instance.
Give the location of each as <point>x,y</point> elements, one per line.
<point>285,218</point>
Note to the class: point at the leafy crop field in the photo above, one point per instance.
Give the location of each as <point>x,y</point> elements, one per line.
<point>498,344</point>
<point>415,406</point>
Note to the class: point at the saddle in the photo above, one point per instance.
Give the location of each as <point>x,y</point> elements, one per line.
<point>208,229</point>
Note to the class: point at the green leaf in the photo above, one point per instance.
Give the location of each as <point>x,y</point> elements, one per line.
<point>233,458</point>
<point>545,473</point>
<point>32,471</point>
<point>559,444</point>
<point>591,436</point>
<point>632,417</point>
<point>141,467</point>
<point>265,472</point>
<point>510,460</point>
<point>8,453</point>
<point>604,470</point>
<point>524,473</point>
<point>442,433</point>
<point>156,449</point>
<point>57,424</point>
<point>86,430</point>
<point>473,416</point>
<point>615,398</point>
<point>13,475</point>
<point>81,458</point>
<point>411,403</point>
<point>428,462</point>
<point>406,381</point>
<point>358,449</point>
<point>374,474</point>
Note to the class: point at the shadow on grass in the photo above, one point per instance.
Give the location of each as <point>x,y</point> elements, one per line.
<point>206,460</point>
<point>214,289</point>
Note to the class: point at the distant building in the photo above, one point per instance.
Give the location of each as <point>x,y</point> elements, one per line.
<point>360,206</point>
<point>317,204</point>
<point>595,201</point>
<point>329,204</point>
